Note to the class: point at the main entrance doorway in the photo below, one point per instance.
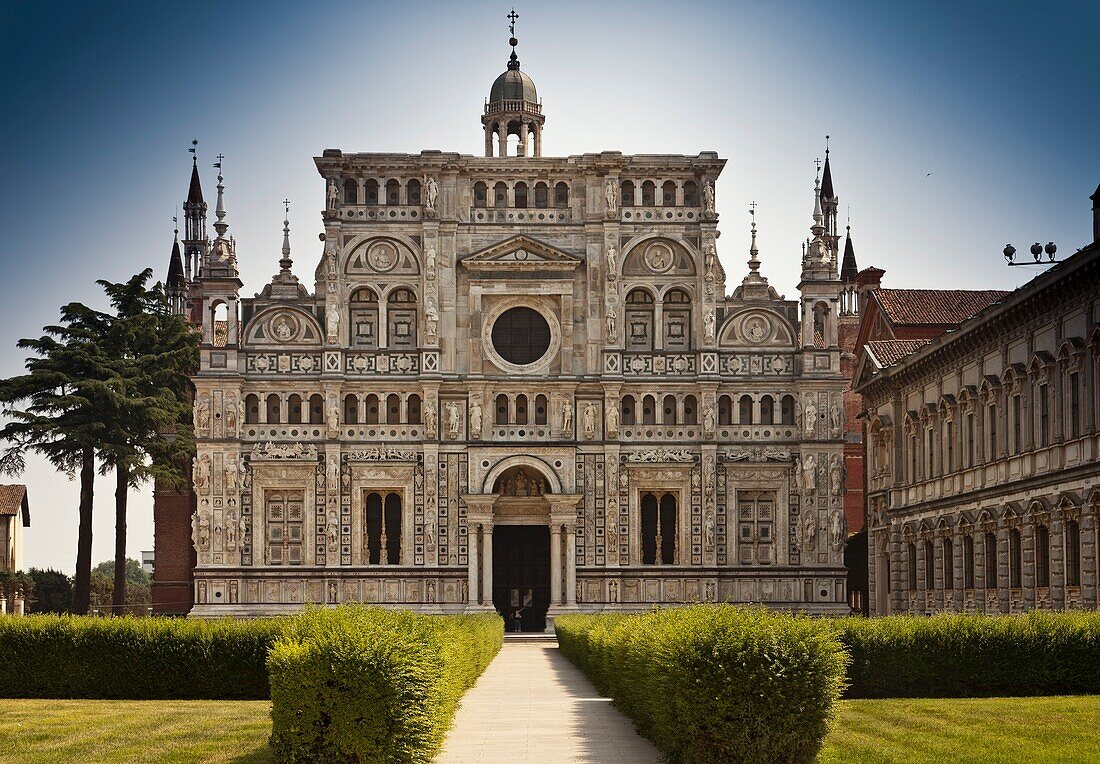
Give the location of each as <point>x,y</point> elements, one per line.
<point>521,573</point>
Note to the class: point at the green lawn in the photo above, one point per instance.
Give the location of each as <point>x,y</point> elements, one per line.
<point>993,730</point>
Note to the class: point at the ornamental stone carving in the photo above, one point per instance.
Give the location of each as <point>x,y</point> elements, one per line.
<point>381,453</point>
<point>454,419</point>
<point>431,194</point>
<point>809,527</point>
<point>611,419</point>
<point>430,420</point>
<point>475,419</point>
<point>708,198</point>
<point>611,197</point>
<point>567,418</point>
<point>656,455</point>
<point>284,451</point>
<point>202,412</point>
<point>837,530</point>
<point>590,421</point>
<point>201,469</point>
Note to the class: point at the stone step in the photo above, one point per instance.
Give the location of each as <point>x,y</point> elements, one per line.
<point>532,636</point>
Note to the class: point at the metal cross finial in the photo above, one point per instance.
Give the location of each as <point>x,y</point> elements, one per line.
<point>218,164</point>
<point>512,27</point>
<point>194,147</point>
<point>817,163</point>
<point>286,207</point>
<point>826,145</point>
<point>752,209</point>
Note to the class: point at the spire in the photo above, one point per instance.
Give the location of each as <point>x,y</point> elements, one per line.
<point>219,210</point>
<point>817,203</point>
<point>194,192</point>
<point>286,262</point>
<point>848,269</point>
<point>176,278</point>
<point>827,175</point>
<point>754,260</point>
<point>513,60</point>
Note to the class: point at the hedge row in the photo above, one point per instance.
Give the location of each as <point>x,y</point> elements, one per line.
<point>714,683</point>
<point>370,685</point>
<point>47,656</point>
<point>972,655</point>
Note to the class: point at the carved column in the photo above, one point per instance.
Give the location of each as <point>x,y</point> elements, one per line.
<point>555,564</point>
<point>471,556</point>
<point>487,564</point>
<point>571,565</point>
<point>480,513</point>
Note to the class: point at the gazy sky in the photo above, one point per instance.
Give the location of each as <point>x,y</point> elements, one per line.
<point>956,128</point>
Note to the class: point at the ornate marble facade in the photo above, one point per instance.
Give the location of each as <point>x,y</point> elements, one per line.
<point>510,341</point>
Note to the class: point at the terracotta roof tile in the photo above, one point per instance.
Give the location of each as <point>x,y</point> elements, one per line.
<point>935,307</point>
<point>889,352</point>
<point>11,499</point>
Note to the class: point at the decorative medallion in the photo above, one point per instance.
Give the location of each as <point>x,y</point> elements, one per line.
<point>382,257</point>
<point>284,327</point>
<point>658,258</point>
<point>757,329</point>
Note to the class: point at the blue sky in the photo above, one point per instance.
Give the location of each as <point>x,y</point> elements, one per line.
<point>956,128</point>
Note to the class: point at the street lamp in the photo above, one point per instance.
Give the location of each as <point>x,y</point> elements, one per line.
<point>1037,251</point>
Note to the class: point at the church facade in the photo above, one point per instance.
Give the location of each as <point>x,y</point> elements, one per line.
<point>514,381</point>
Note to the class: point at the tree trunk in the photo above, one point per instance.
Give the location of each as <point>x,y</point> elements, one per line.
<point>122,486</point>
<point>82,585</point>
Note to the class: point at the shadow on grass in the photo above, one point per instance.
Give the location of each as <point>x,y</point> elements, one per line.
<point>260,755</point>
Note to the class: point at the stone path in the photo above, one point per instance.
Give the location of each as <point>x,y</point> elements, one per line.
<point>533,705</point>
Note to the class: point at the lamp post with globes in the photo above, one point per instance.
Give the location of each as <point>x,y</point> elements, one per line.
<point>1037,251</point>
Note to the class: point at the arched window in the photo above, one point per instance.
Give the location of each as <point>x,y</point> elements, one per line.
<point>725,410</point>
<point>561,195</point>
<point>413,405</point>
<point>412,192</point>
<point>744,410</point>
<point>371,416</point>
<point>540,409</point>
<point>767,410</point>
<point>968,561</point>
<point>393,192</point>
<point>363,318</point>
<point>542,195</point>
<point>500,194</point>
<point>294,409</point>
<point>821,311</point>
<point>284,521</point>
<point>521,409</point>
<point>929,565</point>
<point>628,410</point>
<point>787,409</point>
<point>351,409</point>
<point>520,191</point>
<point>912,559</point>
<point>1042,556</point>
<point>649,410</point>
<point>677,318</point>
<point>251,409</point>
<point>668,410</point>
<point>220,324</point>
<point>691,193</point>
<point>1073,553</point>
<point>948,549</point>
<point>690,410</point>
<point>658,521</point>
<point>393,409</point>
<point>626,194</point>
<point>401,318</point>
<point>989,549</point>
<point>668,194</point>
<point>274,406</point>
<point>1015,561</point>
<point>502,409</point>
<point>351,191</point>
<point>383,529</point>
<point>639,320</point>
<point>481,195</point>
<point>649,194</point>
<point>372,191</point>
<point>316,409</point>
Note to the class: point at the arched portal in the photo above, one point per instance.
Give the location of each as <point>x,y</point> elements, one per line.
<point>521,556</point>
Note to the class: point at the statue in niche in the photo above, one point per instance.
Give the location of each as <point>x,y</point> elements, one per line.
<point>333,419</point>
<point>836,475</point>
<point>429,262</point>
<point>835,415</point>
<point>231,530</point>
<point>202,412</point>
<point>708,197</point>
<point>708,419</point>
<point>333,322</point>
<point>430,589</point>
<point>431,193</point>
<point>333,530</point>
<point>333,193</point>
<point>613,532</point>
<point>837,531</point>
<point>708,532</point>
<point>810,417</point>
<point>201,530</point>
<point>431,319</point>
<point>475,418</point>
<point>330,259</point>
<point>231,424</point>
<point>809,475</point>
<point>611,419</point>
<point>201,468</point>
<point>590,421</point>
<point>333,474</point>
<point>429,529</point>
<point>231,473</point>
<point>612,266</point>
<point>567,418</point>
<point>242,530</point>
<point>454,417</point>
<point>611,315</point>
<point>708,326</point>
<point>809,526</point>
<point>332,592</point>
<point>709,258</point>
<point>611,196</point>
<point>613,591</point>
<point>429,419</point>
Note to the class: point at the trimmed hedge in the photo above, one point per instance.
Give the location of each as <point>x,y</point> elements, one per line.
<point>955,656</point>
<point>48,656</point>
<point>714,683</point>
<point>359,684</point>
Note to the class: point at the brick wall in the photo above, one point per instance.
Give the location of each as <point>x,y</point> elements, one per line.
<point>174,555</point>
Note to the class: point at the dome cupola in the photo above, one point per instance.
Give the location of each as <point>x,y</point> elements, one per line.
<point>513,108</point>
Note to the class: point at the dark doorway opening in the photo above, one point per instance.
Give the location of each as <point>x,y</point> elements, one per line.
<point>521,574</point>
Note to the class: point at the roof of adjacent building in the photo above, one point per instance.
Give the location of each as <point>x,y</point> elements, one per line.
<point>13,501</point>
<point>888,352</point>
<point>935,307</point>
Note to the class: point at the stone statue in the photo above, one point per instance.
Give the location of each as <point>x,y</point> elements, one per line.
<point>282,329</point>
<point>202,413</point>
<point>333,530</point>
<point>475,418</point>
<point>612,532</point>
<point>231,530</point>
<point>333,193</point>
<point>709,258</point>
<point>202,529</point>
<point>429,262</point>
<point>708,419</point>
<point>612,266</point>
<point>708,327</point>
<point>612,591</point>
<point>431,319</point>
<point>330,258</point>
<point>708,531</point>
<point>332,592</point>
<point>333,474</point>
<point>454,417</point>
<point>810,420</point>
<point>201,467</point>
<point>837,531</point>
<point>231,472</point>
<point>836,477</point>
<point>429,420</point>
<point>431,193</point>
<point>710,591</point>
<point>567,418</point>
<point>333,323</point>
<point>240,417</point>
<point>708,197</point>
<point>429,529</point>
<point>611,419</point>
<point>809,474</point>
<point>333,419</point>
<point>612,329</point>
<point>809,525</point>
<point>242,530</point>
<point>430,589</point>
<point>590,421</point>
<point>611,196</point>
<point>835,416</point>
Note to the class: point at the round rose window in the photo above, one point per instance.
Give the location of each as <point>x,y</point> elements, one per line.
<point>521,336</point>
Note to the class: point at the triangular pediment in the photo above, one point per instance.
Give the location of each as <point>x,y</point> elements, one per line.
<point>520,253</point>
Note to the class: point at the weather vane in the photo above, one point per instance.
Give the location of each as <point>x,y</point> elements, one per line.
<point>218,164</point>
<point>286,207</point>
<point>817,164</point>
<point>752,210</point>
<point>194,147</point>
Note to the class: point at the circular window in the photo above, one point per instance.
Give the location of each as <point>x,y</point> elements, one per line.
<point>521,336</point>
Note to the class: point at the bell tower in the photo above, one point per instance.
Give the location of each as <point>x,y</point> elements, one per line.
<point>513,108</point>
